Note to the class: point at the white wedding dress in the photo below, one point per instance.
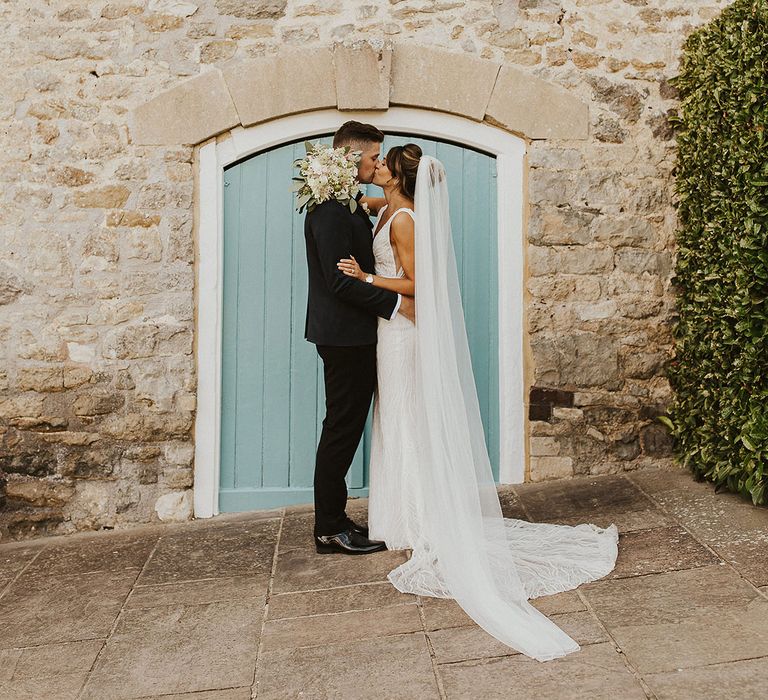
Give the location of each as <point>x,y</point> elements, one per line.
<point>431,489</point>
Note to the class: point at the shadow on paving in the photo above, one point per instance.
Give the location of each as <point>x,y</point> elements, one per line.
<point>240,606</point>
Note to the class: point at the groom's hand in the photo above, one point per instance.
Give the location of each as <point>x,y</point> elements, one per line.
<point>408,308</point>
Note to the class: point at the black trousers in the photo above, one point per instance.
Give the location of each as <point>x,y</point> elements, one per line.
<point>350,379</point>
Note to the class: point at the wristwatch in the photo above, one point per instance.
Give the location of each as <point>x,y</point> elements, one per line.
<point>369,279</point>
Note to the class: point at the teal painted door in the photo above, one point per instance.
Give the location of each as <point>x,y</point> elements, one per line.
<point>273,401</point>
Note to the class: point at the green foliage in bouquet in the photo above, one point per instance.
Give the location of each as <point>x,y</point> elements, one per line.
<point>719,415</point>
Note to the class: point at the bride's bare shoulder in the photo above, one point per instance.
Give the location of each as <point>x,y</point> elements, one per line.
<point>402,224</point>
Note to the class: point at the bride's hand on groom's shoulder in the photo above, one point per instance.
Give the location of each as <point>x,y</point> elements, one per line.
<point>372,204</point>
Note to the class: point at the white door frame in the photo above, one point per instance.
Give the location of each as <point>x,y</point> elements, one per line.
<point>215,155</point>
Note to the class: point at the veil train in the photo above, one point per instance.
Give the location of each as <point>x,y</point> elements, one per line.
<point>466,549</point>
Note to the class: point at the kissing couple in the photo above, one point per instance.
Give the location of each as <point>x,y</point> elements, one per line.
<point>384,311</point>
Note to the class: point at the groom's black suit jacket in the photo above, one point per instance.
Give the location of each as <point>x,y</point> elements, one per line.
<point>341,310</point>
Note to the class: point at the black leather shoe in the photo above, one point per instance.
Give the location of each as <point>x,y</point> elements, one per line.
<point>360,529</point>
<point>347,542</point>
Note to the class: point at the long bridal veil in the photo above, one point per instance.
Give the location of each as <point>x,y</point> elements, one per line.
<point>466,549</point>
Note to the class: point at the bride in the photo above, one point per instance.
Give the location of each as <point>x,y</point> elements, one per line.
<point>431,485</point>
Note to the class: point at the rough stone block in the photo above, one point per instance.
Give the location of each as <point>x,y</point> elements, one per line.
<point>362,77</point>
<point>430,78</point>
<point>544,446</point>
<point>252,9</point>
<point>106,197</point>
<point>38,492</point>
<point>536,109</point>
<point>174,506</point>
<point>540,412</point>
<point>553,397</point>
<point>189,113</point>
<point>273,86</point>
<point>551,467</point>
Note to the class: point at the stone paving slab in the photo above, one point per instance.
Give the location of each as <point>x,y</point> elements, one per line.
<point>174,648</point>
<point>611,499</point>
<point>323,630</point>
<point>613,493</point>
<point>658,550</point>
<point>16,555</point>
<point>567,601</point>
<point>440,613</point>
<point>669,597</point>
<point>55,659</point>
<point>197,592</point>
<point>336,600</point>
<point>8,659</point>
<point>62,687</point>
<point>117,552</point>
<point>715,518</point>
<point>240,606</point>
<point>750,558</point>
<point>397,667</point>
<point>39,610</point>
<point>738,680</point>
<point>730,635</point>
<point>297,531</point>
<point>595,672</point>
<point>235,549</point>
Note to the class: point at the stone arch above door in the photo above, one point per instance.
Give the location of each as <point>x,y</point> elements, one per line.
<point>360,77</point>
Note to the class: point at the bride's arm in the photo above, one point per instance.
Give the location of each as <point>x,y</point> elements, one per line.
<point>374,203</point>
<point>402,232</point>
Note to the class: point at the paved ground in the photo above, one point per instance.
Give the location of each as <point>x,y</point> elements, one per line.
<point>241,606</point>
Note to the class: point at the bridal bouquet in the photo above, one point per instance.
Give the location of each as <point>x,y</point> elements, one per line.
<point>326,173</point>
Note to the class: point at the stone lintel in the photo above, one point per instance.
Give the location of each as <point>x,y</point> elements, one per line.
<point>536,109</point>
<point>442,80</point>
<point>362,77</point>
<point>286,83</point>
<point>359,77</point>
<point>189,113</point>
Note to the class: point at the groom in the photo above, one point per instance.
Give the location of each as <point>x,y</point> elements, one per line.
<point>342,317</point>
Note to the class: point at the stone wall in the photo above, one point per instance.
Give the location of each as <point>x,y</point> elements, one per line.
<point>97,382</point>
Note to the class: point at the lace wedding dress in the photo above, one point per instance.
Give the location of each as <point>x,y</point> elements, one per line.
<point>431,488</point>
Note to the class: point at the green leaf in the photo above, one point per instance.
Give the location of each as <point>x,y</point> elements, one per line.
<point>748,443</point>
<point>666,421</point>
<point>304,199</point>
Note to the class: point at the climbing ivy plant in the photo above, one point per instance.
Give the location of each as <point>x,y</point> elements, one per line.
<point>719,414</point>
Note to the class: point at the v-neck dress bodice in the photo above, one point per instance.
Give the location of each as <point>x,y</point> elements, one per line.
<point>382,246</point>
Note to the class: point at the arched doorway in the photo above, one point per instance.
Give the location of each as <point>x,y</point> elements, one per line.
<point>272,393</point>
<point>214,480</point>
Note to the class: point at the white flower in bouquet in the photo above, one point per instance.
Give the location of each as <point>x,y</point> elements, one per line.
<point>326,173</point>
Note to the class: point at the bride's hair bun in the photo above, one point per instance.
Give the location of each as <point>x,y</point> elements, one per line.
<point>403,163</point>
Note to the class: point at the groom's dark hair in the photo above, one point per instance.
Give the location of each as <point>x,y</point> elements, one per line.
<point>354,133</point>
